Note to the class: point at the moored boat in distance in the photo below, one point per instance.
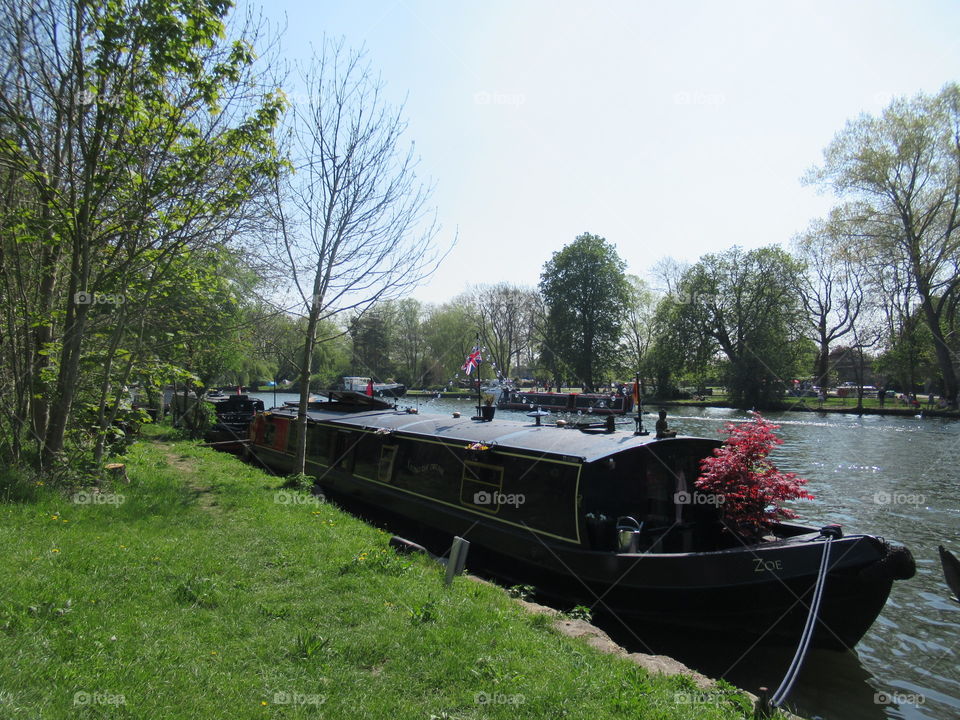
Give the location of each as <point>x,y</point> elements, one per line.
<point>234,414</point>
<point>613,403</point>
<point>363,385</point>
<point>611,520</point>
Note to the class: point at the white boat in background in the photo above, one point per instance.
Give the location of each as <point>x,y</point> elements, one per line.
<point>367,386</point>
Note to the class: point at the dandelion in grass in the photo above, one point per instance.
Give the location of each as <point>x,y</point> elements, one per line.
<point>54,550</point>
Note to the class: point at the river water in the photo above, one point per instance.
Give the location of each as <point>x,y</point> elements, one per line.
<point>890,476</point>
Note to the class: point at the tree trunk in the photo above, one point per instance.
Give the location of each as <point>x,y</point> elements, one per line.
<point>944,356</point>
<point>300,459</point>
<point>823,364</point>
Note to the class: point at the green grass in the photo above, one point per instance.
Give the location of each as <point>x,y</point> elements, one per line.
<point>207,591</point>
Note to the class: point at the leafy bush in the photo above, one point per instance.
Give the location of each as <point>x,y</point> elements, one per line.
<point>752,488</point>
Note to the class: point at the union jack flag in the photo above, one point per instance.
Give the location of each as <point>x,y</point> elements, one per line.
<point>473,361</point>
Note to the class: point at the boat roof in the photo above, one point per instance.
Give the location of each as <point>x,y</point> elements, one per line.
<point>565,442</point>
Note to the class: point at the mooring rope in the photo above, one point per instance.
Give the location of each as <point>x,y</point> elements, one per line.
<point>794,670</point>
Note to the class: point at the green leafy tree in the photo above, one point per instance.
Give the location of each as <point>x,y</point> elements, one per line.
<point>746,305</point>
<point>587,295</point>
<point>901,172</point>
<point>371,335</point>
<point>449,334</point>
<point>141,132</point>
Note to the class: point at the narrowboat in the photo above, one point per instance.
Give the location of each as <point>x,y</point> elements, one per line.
<point>234,414</point>
<point>559,402</point>
<point>610,520</point>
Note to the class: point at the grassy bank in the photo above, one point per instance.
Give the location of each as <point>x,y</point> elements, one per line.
<point>202,589</point>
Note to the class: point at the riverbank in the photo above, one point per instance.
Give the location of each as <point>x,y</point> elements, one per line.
<point>813,406</point>
<point>203,588</point>
<point>832,405</point>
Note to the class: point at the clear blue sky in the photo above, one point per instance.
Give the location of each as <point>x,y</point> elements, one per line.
<point>671,129</point>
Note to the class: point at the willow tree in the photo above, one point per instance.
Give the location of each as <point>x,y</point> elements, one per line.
<point>356,226</point>
<point>901,172</point>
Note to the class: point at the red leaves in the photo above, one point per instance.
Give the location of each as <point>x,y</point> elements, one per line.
<point>752,487</point>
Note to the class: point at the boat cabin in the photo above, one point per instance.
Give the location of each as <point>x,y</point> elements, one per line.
<point>615,492</point>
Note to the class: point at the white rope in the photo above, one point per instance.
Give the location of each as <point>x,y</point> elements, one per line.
<point>794,670</point>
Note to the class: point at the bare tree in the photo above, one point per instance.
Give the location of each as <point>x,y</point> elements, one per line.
<point>504,314</point>
<point>640,327</point>
<point>831,290</point>
<point>355,224</point>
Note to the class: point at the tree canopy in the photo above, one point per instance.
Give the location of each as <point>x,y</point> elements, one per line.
<point>586,293</point>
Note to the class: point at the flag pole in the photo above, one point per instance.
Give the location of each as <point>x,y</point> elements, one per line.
<point>479,364</point>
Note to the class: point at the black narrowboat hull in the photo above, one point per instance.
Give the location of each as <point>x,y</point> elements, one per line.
<point>760,591</point>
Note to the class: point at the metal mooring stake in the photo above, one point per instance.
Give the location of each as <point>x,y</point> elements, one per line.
<point>458,558</point>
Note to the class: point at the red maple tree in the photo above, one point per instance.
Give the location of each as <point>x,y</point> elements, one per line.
<point>753,489</point>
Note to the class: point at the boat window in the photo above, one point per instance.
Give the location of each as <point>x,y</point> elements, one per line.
<point>481,485</point>
<point>318,442</point>
<point>269,432</point>
<point>343,450</point>
<point>388,454</point>
<point>659,486</point>
<point>293,432</point>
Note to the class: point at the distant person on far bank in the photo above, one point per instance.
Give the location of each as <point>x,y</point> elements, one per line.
<point>662,431</point>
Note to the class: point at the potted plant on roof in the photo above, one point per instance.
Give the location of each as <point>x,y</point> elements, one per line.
<point>488,410</point>
<point>751,490</point>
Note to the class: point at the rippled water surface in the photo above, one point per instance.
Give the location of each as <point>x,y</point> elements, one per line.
<point>895,477</point>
